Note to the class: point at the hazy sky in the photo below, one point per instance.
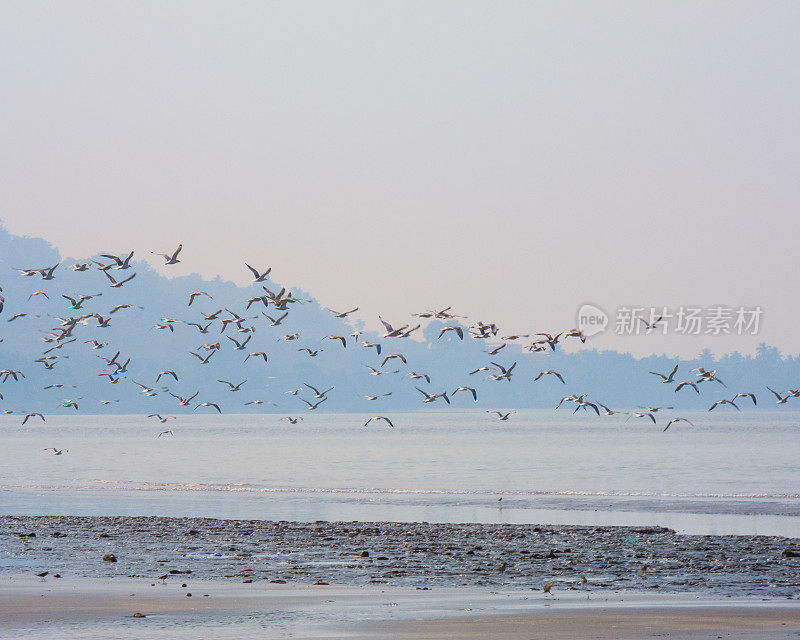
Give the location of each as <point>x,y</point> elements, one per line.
<point>514,160</point>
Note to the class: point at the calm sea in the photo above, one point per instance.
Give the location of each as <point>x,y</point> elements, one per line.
<point>730,474</point>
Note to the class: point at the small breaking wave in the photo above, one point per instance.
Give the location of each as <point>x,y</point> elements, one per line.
<point>115,485</point>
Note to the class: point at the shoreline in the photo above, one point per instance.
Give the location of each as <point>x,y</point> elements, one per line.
<point>692,515</point>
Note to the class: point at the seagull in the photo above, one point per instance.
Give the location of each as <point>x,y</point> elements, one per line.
<point>677,420</point>
<point>77,304</point>
<point>431,397</point>
<point>372,344</point>
<point>636,414</point>
<point>550,372</point>
<point>472,373</point>
<point>375,372</point>
<point>6,373</point>
<point>384,418</point>
<point>234,387</point>
<point>114,283</point>
<point>723,401</point>
<point>118,307</point>
<point>208,404</point>
<point>707,376</point>
<point>33,415</point>
<point>496,350</point>
<point>752,396</point>
<point>575,333</point>
<point>470,389</point>
<point>293,420</point>
<point>161,419</point>
<point>273,321</point>
<point>200,328</point>
<point>192,296</point>
<point>121,264</point>
<point>166,373</point>
<point>56,452</point>
<point>383,395</point>
<point>201,358</point>
<point>38,293</point>
<point>583,405</point>
<point>455,328</point>
<point>391,332</point>
<point>311,407</point>
<point>184,402</point>
<point>687,383</point>
<point>341,314</point>
<point>239,345</point>
<point>394,355</point>
<point>571,398</point>
<point>552,341</point>
<point>317,393</point>
<point>781,399</point>
<point>655,409</point>
<point>416,376</point>
<point>47,272</point>
<point>70,403</point>
<point>666,379</point>
<point>312,353</point>
<point>333,337</point>
<point>259,277</point>
<point>260,354</point>
<point>649,326</point>
<point>606,410</point>
<point>500,415</point>
<point>170,259</point>
<point>506,373</point>
<point>168,432</point>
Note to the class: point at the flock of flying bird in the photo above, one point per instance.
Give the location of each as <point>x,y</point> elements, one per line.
<point>238,331</point>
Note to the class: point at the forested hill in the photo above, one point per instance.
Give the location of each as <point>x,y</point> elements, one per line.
<point>155,334</point>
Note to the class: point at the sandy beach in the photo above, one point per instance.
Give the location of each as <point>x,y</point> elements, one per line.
<point>131,608</point>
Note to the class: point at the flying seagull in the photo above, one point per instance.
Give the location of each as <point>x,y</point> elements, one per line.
<point>384,418</point>
<point>170,259</point>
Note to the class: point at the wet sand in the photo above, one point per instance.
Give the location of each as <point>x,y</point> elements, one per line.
<point>89,608</point>
<point>679,623</point>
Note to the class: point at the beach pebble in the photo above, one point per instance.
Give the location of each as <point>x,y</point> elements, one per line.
<point>109,557</point>
<point>791,553</point>
<point>138,615</point>
<point>188,595</point>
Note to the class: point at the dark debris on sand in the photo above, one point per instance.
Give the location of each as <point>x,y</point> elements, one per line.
<point>403,554</point>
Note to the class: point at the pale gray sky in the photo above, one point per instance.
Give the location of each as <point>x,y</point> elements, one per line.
<point>512,159</point>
